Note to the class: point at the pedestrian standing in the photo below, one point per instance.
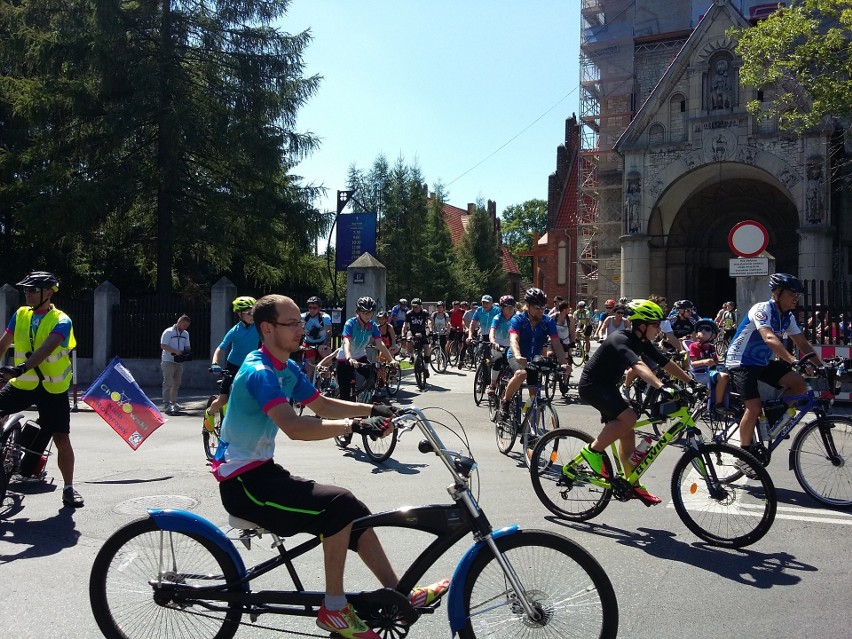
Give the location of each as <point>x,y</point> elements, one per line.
<point>176,351</point>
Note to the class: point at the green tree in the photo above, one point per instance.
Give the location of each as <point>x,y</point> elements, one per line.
<point>479,263</point>
<point>167,124</point>
<point>520,223</point>
<point>800,53</point>
<point>436,269</point>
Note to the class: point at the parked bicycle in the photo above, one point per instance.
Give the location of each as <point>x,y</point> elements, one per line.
<point>531,419</point>
<point>819,454</point>
<point>174,569</point>
<point>24,450</point>
<point>721,511</point>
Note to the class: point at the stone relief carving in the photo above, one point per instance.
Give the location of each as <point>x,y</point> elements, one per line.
<point>719,145</point>
<point>814,191</point>
<point>748,155</point>
<point>720,86</point>
<point>633,202</point>
<point>789,178</point>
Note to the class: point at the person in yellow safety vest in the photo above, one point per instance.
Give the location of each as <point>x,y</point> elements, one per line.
<point>43,339</point>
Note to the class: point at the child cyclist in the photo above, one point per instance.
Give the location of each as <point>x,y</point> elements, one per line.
<point>241,340</point>
<point>703,361</point>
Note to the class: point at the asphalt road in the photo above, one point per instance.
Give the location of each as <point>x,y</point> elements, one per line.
<point>792,583</point>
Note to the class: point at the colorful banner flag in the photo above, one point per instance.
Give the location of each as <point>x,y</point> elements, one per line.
<point>116,397</point>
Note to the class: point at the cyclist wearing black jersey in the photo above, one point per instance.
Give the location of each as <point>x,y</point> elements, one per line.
<point>416,328</point>
<point>683,321</point>
<point>599,385</point>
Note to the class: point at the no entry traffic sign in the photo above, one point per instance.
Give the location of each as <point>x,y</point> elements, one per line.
<point>748,238</point>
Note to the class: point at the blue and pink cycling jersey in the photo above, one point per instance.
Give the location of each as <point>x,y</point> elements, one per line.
<point>531,340</point>
<point>359,336</point>
<point>248,435</point>
<point>747,347</point>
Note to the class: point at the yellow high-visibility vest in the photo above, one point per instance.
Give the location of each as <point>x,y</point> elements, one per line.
<point>56,369</point>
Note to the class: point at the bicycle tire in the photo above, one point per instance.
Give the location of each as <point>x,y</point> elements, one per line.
<point>821,460</point>
<point>420,372</point>
<point>453,353</point>
<point>578,355</point>
<point>566,585</point>
<point>393,380</point>
<point>546,421</point>
<point>438,360</point>
<point>480,383</point>
<point>548,383</point>
<point>126,601</point>
<point>506,435</point>
<point>210,439</point>
<point>574,500</point>
<point>379,450</point>
<point>10,456</point>
<point>734,514</point>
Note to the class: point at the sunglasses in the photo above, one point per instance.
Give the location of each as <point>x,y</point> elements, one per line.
<point>536,307</point>
<point>705,330</point>
<point>313,308</point>
<point>619,312</point>
<point>31,289</point>
<point>247,312</point>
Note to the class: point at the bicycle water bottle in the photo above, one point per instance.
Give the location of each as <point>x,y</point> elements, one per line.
<point>641,450</point>
<point>763,427</point>
<point>782,422</point>
<point>526,407</point>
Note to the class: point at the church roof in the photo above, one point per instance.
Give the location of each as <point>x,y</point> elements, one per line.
<point>457,220</point>
<point>667,83</point>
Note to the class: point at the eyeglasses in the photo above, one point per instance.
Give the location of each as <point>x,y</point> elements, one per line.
<point>536,307</point>
<point>31,289</point>
<point>619,312</point>
<point>293,324</point>
<point>313,308</point>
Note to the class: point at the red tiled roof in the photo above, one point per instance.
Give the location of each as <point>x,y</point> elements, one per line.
<point>453,216</point>
<point>509,265</point>
<point>566,217</point>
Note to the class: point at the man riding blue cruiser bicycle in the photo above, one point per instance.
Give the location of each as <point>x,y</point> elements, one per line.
<point>599,386</point>
<point>758,338</point>
<point>528,333</point>
<point>252,486</point>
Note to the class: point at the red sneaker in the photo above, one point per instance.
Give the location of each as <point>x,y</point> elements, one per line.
<point>424,595</point>
<point>640,492</point>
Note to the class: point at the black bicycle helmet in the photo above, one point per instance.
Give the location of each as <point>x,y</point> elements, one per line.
<point>785,281</point>
<point>313,299</point>
<point>705,322</point>
<point>417,302</point>
<point>366,304</point>
<point>507,300</point>
<point>682,305</point>
<point>40,279</point>
<point>535,296</point>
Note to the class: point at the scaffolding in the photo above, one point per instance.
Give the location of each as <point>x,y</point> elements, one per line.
<point>606,108</point>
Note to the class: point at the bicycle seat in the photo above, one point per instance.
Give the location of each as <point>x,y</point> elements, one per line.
<point>242,524</point>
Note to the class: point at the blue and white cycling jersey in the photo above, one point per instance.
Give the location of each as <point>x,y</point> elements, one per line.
<point>359,336</point>
<point>500,325</point>
<point>315,325</point>
<point>747,348</point>
<point>485,317</point>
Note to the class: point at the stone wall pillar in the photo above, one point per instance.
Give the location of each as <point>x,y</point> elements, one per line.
<point>816,249</point>
<point>366,276</point>
<point>753,289</point>
<point>107,297</point>
<point>222,295</point>
<point>635,266</point>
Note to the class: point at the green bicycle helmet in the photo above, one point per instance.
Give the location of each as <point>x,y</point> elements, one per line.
<point>644,311</point>
<point>243,303</point>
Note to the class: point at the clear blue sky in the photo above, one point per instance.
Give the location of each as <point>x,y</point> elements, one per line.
<point>445,84</point>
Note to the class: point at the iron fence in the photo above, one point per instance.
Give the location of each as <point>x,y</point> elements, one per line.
<point>826,311</point>
<point>139,323</point>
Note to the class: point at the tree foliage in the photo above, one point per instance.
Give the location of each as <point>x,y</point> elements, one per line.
<point>802,53</point>
<point>152,143</point>
<point>479,260</point>
<point>520,223</point>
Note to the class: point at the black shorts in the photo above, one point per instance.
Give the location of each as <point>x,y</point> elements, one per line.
<point>54,411</point>
<point>606,399</point>
<point>744,378</point>
<point>588,330</point>
<point>532,376</point>
<point>286,505</point>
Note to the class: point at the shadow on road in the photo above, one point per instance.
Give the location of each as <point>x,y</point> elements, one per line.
<point>124,482</point>
<point>41,538</point>
<point>749,567</point>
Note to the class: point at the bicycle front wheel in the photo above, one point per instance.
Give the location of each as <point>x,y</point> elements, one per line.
<point>438,361</point>
<point>566,497</point>
<point>536,426</point>
<point>139,570</point>
<point>821,454</point>
<point>480,383</point>
<point>578,355</point>
<point>567,588</point>
<point>393,380</point>
<point>210,438</point>
<point>380,449</point>
<point>724,513</point>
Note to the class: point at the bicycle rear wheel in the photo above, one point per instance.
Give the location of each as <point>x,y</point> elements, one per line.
<point>10,455</point>
<point>573,499</point>
<point>725,513</point>
<point>567,587</point>
<point>535,427</point>
<point>394,378</point>
<point>379,450</point>
<point>578,355</point>
<point>210,438</point>
<point>453,352</point>
<point>438,361</point>
<point>136,573</point>
<point>822,452</point>
<point>420,372</point>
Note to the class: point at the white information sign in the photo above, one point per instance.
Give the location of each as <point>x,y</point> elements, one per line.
<point>748,266</point>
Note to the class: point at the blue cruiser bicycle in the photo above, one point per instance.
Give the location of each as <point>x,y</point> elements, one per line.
<point>174,574</point>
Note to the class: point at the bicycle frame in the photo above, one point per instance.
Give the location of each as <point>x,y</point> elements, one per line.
<point>448,523</point>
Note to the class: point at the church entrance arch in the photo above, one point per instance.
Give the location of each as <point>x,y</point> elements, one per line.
<point>689,230</point>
